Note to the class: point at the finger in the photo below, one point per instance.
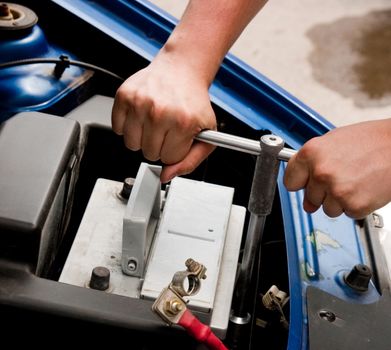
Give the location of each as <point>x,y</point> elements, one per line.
<point>133,130</point>
<point>308,206</point>
<point>355,210</point>
<point>313,197</point>
<point>198,152</point>
<point>175,147</point>
<point>296,174</point>
<point>331,207</point>
<point>134,127</point>
<point>118,115</point>
<point>152,140</point>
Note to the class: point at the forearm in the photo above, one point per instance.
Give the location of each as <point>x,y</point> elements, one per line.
<point>206,31</point>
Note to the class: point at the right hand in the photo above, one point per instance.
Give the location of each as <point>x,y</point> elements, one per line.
<point>160,110</point>
<point>346,170</point>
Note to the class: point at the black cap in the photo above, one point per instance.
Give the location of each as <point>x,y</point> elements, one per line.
<point>100,278</point>
<point>127,187</point>
<point>358,278</point>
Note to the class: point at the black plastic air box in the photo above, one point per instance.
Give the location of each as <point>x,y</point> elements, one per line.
<point>37,154</point>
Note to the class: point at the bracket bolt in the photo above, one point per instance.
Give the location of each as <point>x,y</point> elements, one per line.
<point>195,267</point>
<point>192,265</point>
<point>132,265</point>
<point>327,315</point>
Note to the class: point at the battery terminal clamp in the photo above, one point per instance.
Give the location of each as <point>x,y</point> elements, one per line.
<point>172,307</point>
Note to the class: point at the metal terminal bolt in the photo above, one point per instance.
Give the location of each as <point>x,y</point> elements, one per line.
<point>100,278</point>
<point>127,188</point>
<point>173,307</point>
<point>4,10</point>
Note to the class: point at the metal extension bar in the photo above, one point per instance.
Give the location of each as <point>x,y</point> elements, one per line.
<point>269,151</point>
<point>239,143</point>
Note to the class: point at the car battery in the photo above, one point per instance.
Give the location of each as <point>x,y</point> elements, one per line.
<point>142,241</point>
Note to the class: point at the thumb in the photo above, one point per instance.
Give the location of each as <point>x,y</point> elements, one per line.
<point>198,152</point>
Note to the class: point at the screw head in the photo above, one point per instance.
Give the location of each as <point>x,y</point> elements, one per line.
<point>132,265</point>
<point>272,140</point>
<point>327,315</point>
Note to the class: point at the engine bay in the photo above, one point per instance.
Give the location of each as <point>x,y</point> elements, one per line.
<point>55,171</point>
<point>92,245</point>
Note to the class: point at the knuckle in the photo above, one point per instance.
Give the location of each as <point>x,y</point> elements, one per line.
<point>342,193</point>
<point>139,100</point>
<point>186,123</point>
<point>123,94</point>
<point>158,112</point>
<point>323,174</point>
<point>309,149</point>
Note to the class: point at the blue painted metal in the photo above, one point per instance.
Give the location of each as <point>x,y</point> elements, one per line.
<point>33,86</point>
<point>31,44</point>
<point>320,250</point>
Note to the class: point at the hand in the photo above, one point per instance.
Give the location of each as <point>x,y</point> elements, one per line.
<point>346,170</point>
<point>160,110</point>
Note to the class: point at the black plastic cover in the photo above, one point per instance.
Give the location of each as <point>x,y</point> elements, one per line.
<point>35,151</point>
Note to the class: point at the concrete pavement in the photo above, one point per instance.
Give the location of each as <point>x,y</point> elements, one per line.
<point>333,55</point>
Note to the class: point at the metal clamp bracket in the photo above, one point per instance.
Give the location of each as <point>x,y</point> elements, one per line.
<point>194,273</point>
<point>170,305</point>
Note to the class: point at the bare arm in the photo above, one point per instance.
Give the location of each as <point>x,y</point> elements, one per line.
<point>162,107</point>
<point>207,31</point>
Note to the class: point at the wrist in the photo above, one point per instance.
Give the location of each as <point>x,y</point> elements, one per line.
<point>187,62</point>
